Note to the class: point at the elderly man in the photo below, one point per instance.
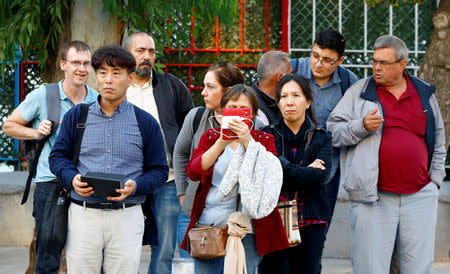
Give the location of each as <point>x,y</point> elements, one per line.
<point>167,99</point>
<point>391,135</point>
<point>272,66</point>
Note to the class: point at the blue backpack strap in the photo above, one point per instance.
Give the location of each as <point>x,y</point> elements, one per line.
<point>294,64</point>
<point>53,105</point>
<point>81,126</point>
<point>345,79</point>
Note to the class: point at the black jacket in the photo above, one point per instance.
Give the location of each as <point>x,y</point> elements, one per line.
<point>298,177</point>
<point>173,103</point>
<point>267,105</point>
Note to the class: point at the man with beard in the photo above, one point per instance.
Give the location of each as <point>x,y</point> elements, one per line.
<point>168,100</point>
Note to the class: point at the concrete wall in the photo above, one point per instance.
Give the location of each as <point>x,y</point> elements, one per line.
<point>16,222</point>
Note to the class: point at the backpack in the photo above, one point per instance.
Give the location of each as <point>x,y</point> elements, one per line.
<point>32,149</point>
<point>342,72</point>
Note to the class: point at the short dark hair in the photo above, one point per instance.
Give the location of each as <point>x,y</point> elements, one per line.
<point>331,39</point>
<point>77,45</point>
<point>227,74</point>
<point>114,56</point>
<point>306,88</point>
<point>235,92</point>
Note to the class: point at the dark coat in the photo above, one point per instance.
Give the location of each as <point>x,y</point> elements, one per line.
<point>298,177</point>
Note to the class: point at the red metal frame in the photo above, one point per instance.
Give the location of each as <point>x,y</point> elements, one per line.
<point>242,50</point>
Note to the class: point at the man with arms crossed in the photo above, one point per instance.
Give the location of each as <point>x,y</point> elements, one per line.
<point>119,138</point>
<point>168,100</point>
<point>76,64</point>
<point>391,135</point>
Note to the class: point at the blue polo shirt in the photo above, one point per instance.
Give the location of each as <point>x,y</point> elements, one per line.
<point>34,108</point>
<point>325,97</point>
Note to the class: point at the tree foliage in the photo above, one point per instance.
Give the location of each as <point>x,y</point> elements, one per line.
<point>35,25</point>
<point>32,25</point>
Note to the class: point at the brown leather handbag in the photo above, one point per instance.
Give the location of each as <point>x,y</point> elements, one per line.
<point>208,242</point>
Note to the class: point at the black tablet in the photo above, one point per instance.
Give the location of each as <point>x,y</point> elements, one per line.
<point>104,184</point>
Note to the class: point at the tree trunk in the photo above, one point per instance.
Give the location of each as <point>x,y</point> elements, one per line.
<point>435,67</point>
<point>88,24</point>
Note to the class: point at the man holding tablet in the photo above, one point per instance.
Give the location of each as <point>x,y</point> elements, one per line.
<point>105,232</point>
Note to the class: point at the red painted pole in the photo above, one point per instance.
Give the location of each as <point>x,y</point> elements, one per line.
<point>242,27</point>
<point>193,27</point>
<point>285,25</point>
<point>217,36</point>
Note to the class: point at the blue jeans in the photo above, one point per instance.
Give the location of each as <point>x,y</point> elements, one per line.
<point>216,265</point>
<point>183,223</point>
<point>47,260</point>
<point>167,211</point>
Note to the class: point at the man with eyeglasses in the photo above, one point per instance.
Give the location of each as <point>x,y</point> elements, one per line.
<point>328,81</point>
<point>167,99</point>
<point>76,64</point>
<point>391,134</point>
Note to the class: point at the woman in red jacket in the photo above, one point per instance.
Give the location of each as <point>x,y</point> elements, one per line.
<point>209,163</point>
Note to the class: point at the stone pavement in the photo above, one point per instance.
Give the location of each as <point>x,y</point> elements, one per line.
<point>15,260</point>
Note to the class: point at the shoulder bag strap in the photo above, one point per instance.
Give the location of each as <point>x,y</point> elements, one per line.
<point>81,126</point>
<point>197,118</point>
<point>53,109</point>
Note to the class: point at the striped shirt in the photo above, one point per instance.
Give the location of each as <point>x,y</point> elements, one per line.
<point>111,145</point>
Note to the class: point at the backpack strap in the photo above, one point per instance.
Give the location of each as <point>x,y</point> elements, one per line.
<point>345,79</point>
<point>197,118</point>
<point>53,109</point>
<point>81,126</point>
<point>294,64</point>
<point>53,105</point>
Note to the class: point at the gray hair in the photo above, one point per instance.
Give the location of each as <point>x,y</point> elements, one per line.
<point>127,43</point>
<point>391,41</point>
<point>272,62</point>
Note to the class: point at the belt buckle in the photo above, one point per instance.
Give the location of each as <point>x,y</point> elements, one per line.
<point>107,206</point>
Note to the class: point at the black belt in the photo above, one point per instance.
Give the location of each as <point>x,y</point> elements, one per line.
<point>108,205</point>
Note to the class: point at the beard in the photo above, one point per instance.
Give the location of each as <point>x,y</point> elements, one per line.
<point>146,71</point>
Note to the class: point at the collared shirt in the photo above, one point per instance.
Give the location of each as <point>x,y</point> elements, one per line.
<point>326,97</point>
<point>34,108</point>
<point>403,151</point>
<point>143,98</point>
<point>111,145</point>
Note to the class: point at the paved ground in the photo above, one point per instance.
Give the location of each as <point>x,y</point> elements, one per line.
<point>14,260</point>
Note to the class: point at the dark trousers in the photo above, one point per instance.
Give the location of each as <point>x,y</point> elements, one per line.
<point>304,258</point>
<point>332,189</point>
<point>47,261</point>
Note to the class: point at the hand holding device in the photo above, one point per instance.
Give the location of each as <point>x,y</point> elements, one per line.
<point>230,114</point>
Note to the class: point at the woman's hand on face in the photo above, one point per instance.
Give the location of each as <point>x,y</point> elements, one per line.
<point>317,164</point>
<point>241,130</point>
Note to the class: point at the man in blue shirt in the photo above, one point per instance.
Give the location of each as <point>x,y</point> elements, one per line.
<point>327,80</point>
<point>119,138</point>
<point>76,65</point>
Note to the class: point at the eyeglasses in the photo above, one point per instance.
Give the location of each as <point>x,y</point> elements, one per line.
<point>78,64</point>
<point>323,60</point>
<point>375,62</point>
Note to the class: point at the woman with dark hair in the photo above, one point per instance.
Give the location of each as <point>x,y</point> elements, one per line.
<point>304,151</point>
<point>216,161</point>
<point>218,79</point>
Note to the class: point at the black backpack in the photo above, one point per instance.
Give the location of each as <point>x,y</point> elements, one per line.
<point>31,149</point>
